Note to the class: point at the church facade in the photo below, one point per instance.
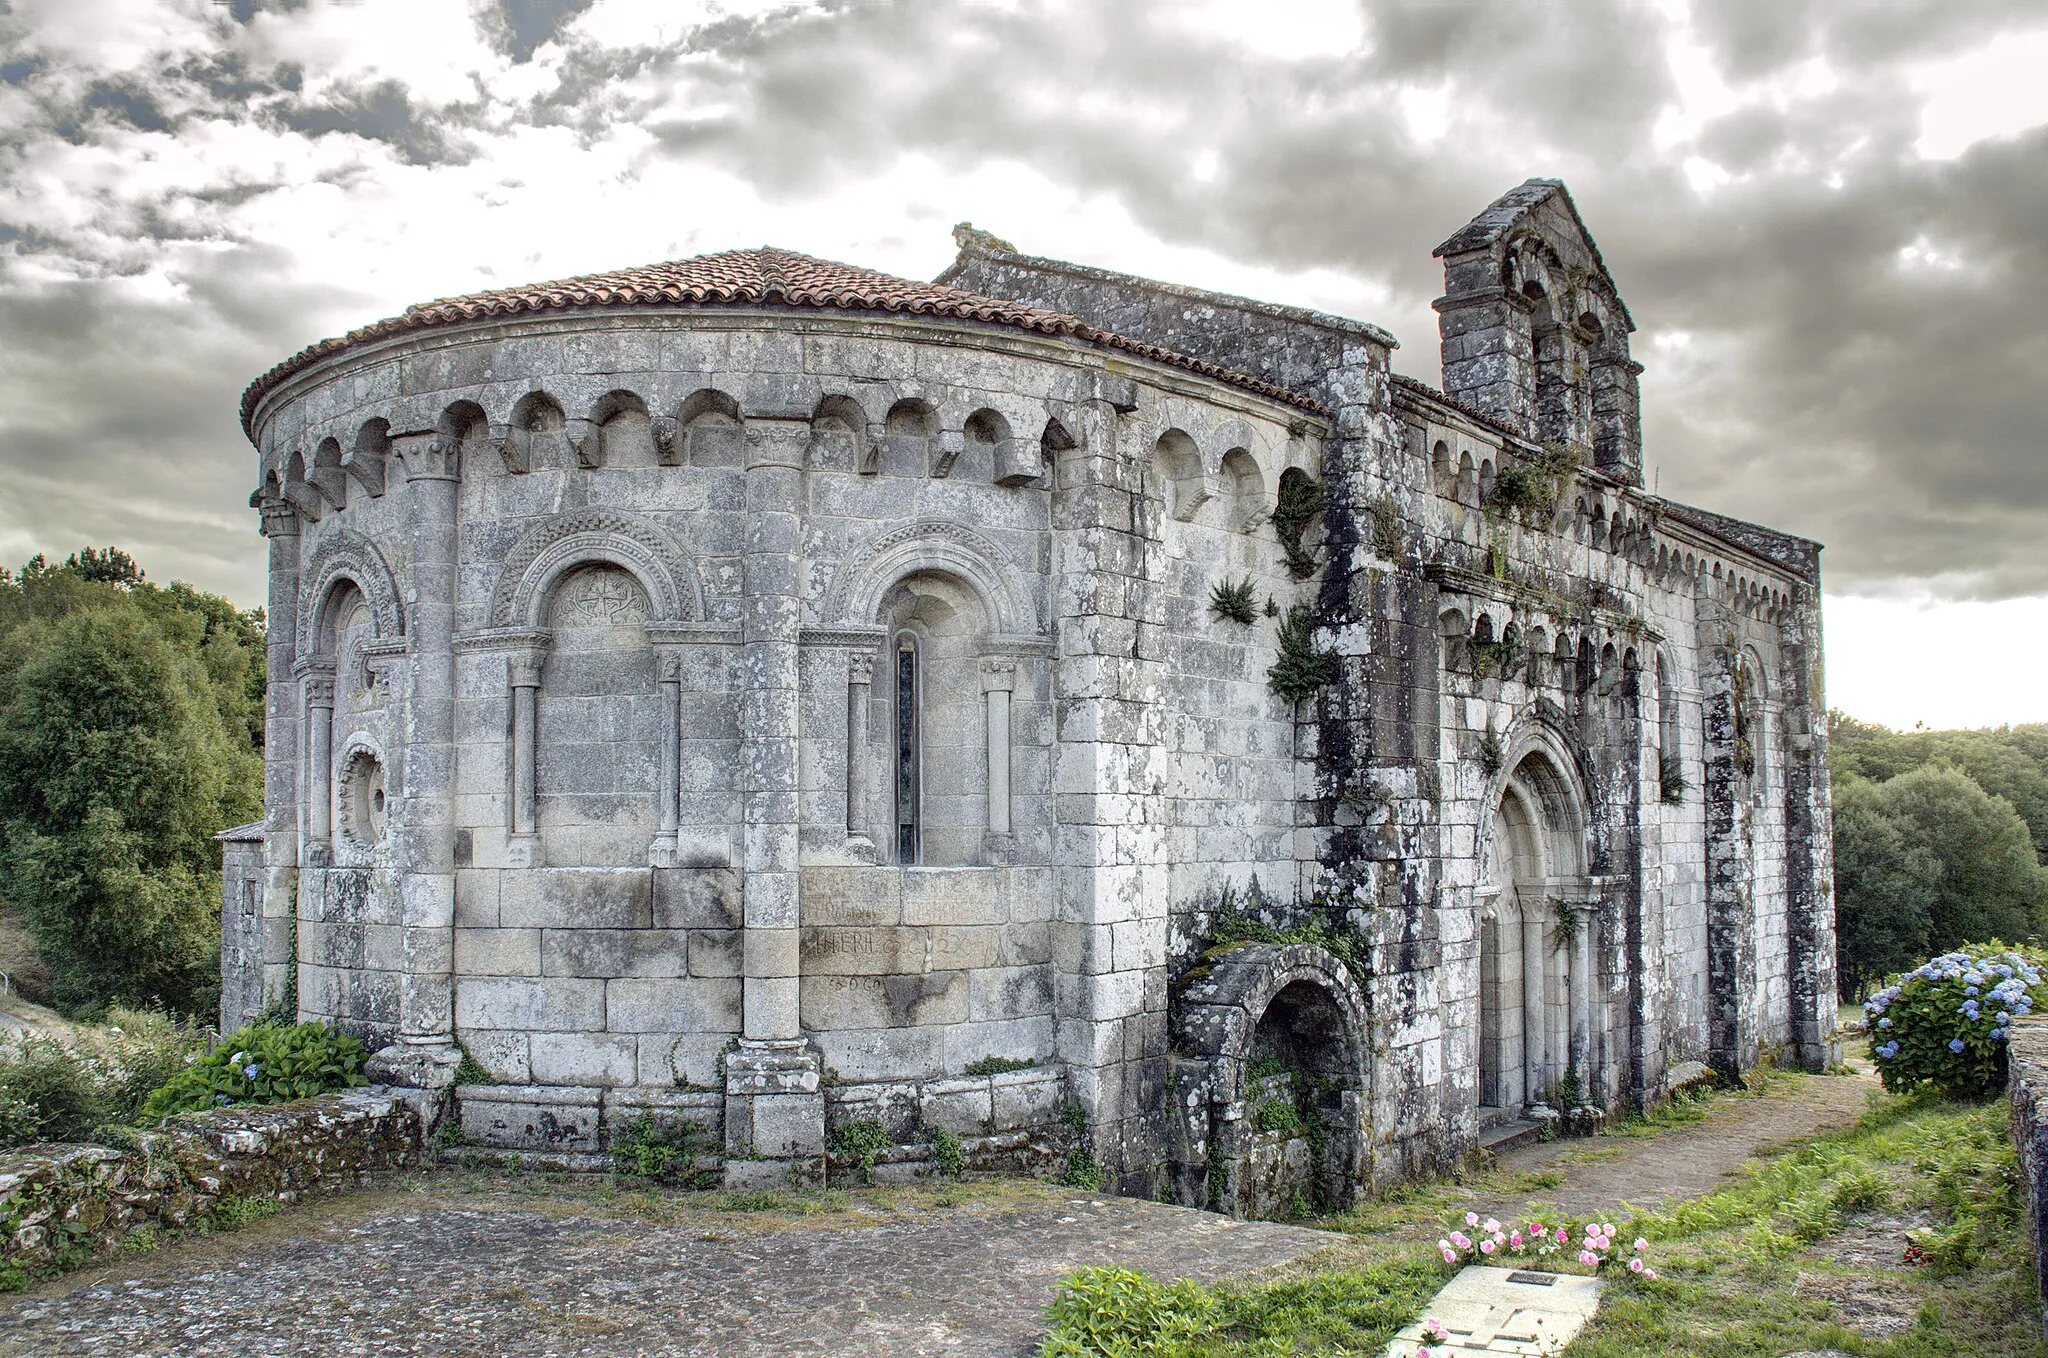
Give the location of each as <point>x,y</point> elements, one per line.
<point>1084,715</point>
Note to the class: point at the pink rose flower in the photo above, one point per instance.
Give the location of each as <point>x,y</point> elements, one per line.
<point>1486,1247</point>
<point>1641,1244</point>
<point>1635,1266</point>
<point>1450,1257</point>
<point>1471,1218</point>
<point>1651,1274</point>
<point>1563,1235</point>
<point>1516,1240</point>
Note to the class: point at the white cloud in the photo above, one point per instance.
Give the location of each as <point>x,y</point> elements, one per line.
<point>1914,660</point>
<point>1995,91</point>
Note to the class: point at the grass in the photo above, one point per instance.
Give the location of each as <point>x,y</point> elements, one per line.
<point>1810,1239</point>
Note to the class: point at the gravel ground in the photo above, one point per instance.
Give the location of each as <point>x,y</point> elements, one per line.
<point>417,1270</point>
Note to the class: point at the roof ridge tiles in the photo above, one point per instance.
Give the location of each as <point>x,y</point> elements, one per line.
<point>767,275</point>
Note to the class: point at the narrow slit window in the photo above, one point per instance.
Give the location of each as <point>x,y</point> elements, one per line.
<point>909,821</point>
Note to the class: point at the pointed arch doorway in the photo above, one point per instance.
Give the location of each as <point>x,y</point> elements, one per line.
<point>1535,945</point>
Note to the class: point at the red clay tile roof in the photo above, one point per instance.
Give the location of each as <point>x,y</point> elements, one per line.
<point>767,276</point>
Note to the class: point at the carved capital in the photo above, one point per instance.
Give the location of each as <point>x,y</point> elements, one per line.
<point>860,668</point>
<point>524,668</point>
<point>320,690</point>
<point>998,672</point>
<point>280,520</point>
<point>429,456</point>
<point>669,665</point>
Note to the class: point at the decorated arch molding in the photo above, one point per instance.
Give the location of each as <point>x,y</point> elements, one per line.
<point>674,590</point>
<point>352,558</point>
<point>1541,732</point>
<point>938,547</point>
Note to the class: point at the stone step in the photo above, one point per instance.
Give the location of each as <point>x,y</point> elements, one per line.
<point>1508,1135</point>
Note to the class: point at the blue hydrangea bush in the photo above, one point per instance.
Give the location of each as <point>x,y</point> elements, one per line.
<point>1944,1023</point>
<point>263,1063</point>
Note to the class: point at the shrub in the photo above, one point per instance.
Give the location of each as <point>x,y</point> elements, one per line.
<point>77,1088</point>
<point>1944,1023</point>
<point>997,1065</point>
<point>1279,1115</point>
<point>263,1063</point>
<point>1117,1313</point>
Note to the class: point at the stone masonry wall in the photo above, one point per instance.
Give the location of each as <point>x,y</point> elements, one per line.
<point>63,1205</point>
<point>2027,1090</point>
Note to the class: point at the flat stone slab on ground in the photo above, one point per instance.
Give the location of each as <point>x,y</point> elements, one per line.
<point>396,1274</point>
<point>1498,1310</point>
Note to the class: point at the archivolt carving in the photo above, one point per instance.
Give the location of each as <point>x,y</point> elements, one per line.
<point>626,540</point>
<point>940,546</point>
<point>348,556</point>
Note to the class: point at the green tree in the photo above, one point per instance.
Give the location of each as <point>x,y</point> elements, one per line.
<point>120,755</point>
<point>1884,888</point>
<point>1990,884</point>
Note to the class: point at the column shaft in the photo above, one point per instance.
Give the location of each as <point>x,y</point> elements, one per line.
<point>319,790</point>
<point>1582,1004</point>
<point>1535,1022</point>
<point>860,674</point>
<point>768,665</point>
<point>280,751</point>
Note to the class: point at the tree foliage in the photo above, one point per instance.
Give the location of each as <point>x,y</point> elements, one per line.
<point>1937,842</point>
<point>130,732</point>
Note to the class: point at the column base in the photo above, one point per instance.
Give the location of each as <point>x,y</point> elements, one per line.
<point>774,1115</point>
<point>523,851</point>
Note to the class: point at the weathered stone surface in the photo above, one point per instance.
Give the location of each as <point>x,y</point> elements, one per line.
<point>67,1203</point>
<point>888,690</point>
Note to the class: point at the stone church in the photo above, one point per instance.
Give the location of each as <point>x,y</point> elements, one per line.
<point>1082,714</point>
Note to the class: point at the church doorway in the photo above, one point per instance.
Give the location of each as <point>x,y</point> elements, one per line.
<point>1535,954</point>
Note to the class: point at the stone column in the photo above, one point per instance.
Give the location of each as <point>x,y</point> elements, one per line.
<point>860,678</point>
<point>668,777</point>
<point>425,1055</point>
<point>998,680</point>
<point>774,1111</point>
<point>523,840</point>
<point>1535,1019</point>
<point>1581,994</point>
<point>280,754</point>
<point>319,787</point>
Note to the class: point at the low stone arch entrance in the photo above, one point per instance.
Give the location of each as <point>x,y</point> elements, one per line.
<point>1266,1083</point>
<point>1536,960</point>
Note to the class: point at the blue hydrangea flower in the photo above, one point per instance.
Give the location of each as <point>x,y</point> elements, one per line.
<point>1955,1044</point>
<point>1888,1050</point>
<point>1884,1023</point>
<point>250,1070</point>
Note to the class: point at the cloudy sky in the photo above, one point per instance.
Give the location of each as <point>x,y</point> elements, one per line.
<point>1829,217</point>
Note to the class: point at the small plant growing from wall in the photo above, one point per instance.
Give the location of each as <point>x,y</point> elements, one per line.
<point>948,1156</point>
<point>1670,780</point>
<point>856,1144</point>
<point>1386,528</point>
<point>1234,602</point>
<point>1303,667</point>
<point>1490,756</point>
<point>1532,486</point>
<point>1299,501</point>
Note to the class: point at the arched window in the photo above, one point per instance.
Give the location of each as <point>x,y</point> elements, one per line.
<point>1670,765</point>
<point>907,702</point>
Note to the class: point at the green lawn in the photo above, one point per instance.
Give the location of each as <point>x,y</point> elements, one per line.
<point>1804,1253</point>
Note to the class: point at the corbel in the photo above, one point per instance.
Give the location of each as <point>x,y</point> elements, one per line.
<point>667,436</point>
<point>585,440</point>
<point>512,450</point>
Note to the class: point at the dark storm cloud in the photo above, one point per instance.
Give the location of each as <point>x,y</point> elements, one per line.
<point>1842,339</point>
<point>383,112</point>
<point>1888,405</point>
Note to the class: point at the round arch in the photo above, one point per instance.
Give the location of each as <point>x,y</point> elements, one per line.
<point>610,536</point>
<point>1260,1023</point>
<point>932,547</point>
<point>344,559</point>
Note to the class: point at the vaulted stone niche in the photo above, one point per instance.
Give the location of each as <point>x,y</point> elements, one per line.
<point>598,726</point>
<point>1267,1081</point>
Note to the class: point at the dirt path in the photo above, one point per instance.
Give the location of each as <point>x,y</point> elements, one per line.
<point>1689,1160</point>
